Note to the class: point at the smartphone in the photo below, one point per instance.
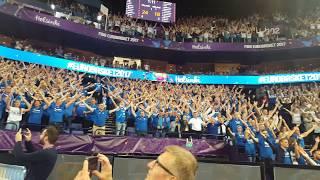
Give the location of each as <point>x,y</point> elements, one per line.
<point>93,163</point>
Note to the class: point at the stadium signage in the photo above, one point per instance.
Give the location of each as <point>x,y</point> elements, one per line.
<point>201,46</point>
<point>264,46</point>
<point>92,69</point>
<point>288,78</point>
<point>187,79</point>
<point>117,37</point>
<point>153,76</point>
<point>46,20</point>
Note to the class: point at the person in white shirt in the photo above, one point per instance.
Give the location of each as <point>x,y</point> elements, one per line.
<point>15,113</point>
<point>196,124</point>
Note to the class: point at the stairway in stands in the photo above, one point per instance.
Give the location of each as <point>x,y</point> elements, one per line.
<point>111,124</point>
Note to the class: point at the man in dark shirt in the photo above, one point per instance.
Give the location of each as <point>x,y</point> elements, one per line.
<point>39,163</point>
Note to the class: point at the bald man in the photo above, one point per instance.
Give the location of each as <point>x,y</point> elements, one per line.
<point>175,163</point>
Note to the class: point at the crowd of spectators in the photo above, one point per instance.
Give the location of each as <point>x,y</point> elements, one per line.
<point>61,52</point>
<point>278,122</point>
<point>255,28</point>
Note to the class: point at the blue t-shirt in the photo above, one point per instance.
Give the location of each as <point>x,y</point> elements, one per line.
<point>35,115</point>
<point>264,148</point>
<point>286,159</point>
<point>250,147</point>
<point>234,123</point>
<point>2,107</point>
<point>80,109</point>
<point>84,92</point>
<point>166,122</point>
<point>160,122</point>
<point>240,140</point>
<point>142,124</point>
<point>69,110</point>
<point>91,116</point>
<point>98,87</point>
<point>100,117</point>
<point>213,128</point>
<point>56,113</point>
<point>155,120</point>
<point>121,115</point>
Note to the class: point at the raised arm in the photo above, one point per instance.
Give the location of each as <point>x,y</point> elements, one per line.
<point>48,103</point>
<point>87,106</point>
<point>305,134</point>
<point>290,112</point>
<point>73,99</point>
<point>133,111</point>
<point>316,145</point>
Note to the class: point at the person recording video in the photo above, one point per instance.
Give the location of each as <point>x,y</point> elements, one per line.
<point>39,162</point>
<point>175,163</point>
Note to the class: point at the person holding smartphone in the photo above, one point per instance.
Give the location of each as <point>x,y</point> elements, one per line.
<point>174,163</point>
<point>39,163</point>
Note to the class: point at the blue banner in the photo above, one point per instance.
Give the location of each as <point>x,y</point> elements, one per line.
<point>154,76</point>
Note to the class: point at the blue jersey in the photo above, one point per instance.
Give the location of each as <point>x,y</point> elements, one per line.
<point>213,128</point>
<point>69,110</point>
<point>100,117</point>
<point>80,109</point>
<point>234,123</point>
<point>2,107</point>
<point>240,140</point>
<point>91,116</point>
<point>155,120</point>
<point>35,115</point>
<point>142,124</point>
<point>121,115</point>
<point>264,148</point>
<point>250,147</point>
<point>98,87</point>
<point>286,158</point>
<point>56,113</point>
<point>166,122</point>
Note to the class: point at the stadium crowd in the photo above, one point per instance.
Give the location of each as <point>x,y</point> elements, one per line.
<point>256,28</point>
<point>88,57</point>
<point>286,117</point>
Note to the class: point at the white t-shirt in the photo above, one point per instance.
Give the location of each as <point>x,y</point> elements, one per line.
<point>296,118</point>
<point>150,30</point>
<point>206,35</point>
<point>196,123</point>
<point>261,34</point>
<point>15,114</point>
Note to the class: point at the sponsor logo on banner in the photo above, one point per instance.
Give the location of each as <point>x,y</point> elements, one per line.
<point>201,46</point>
<point>186,79</point>
<point>288,78</point>
<point>47,20</point>
<point>264,46</point>
<point>116,37</point>
<point>98,70</point>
